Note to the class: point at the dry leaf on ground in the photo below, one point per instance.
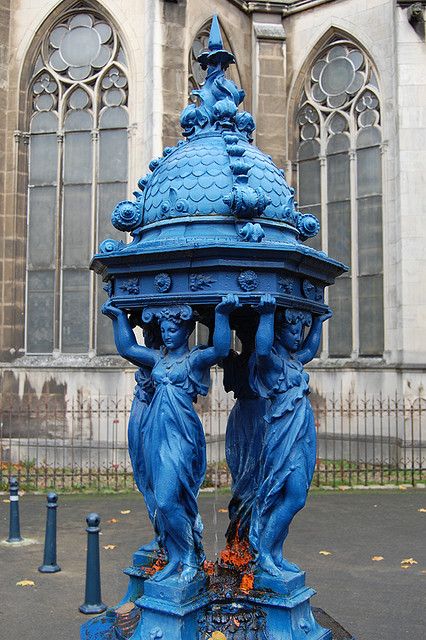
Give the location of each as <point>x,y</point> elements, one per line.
<point>377,558</point>
<point>401,486</point>
<point>125,512</point>
<point>109,546</point>
<point>6,501</point>
<point>325,553</point>
<point>222,510</point>
<point>112,521</point>
<point>409,561</point>
<point>25,583</point>
<point>421,510</point>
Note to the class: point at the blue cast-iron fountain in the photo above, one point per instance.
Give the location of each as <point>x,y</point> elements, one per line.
<point>217,238</point>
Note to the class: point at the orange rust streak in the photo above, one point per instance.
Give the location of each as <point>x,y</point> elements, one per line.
<point>208,568</point>
<point>237,553</point>
<point>247,582</point>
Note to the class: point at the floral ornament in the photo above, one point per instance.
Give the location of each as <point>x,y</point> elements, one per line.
<point>337,76</point>
<point>80,47</point>
<point>109,245</point>
<point>131,286</point>
<point>199,281</point>
<point>44,89</point>
<point>163,282</point>
<point>126,216</point>
<point>312,291</point>
<point>308,225</point>
<point>286,284</point>
<point>247,280</point>
<point>174,205</point>
<point>114,84</point>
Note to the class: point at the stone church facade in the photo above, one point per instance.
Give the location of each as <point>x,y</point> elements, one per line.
<point>92,91</point>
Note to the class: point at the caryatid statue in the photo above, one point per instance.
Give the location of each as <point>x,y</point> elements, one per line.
<point>217,238</point>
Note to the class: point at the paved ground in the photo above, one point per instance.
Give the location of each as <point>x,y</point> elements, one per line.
<point>373,600</point>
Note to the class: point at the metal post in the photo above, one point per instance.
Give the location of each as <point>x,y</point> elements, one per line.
<point>92,599</point>
<point>14,527</point>
<point>49,558</point>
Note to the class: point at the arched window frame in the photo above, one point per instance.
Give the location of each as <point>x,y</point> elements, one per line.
<point>366,261</point>
<point>102,87</point>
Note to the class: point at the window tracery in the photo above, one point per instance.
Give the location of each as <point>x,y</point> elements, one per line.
<point>340,181</point>
<point>77,171</point>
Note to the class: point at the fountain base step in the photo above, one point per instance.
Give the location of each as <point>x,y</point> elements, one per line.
<point>215,607</point>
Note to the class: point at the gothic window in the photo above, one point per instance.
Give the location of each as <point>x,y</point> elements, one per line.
<point>77,172</point>
<point>197,75</point>
<point>339,179</point>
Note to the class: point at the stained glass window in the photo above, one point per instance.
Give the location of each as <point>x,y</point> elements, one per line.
<point>339,179</point>
<point>77,172</point>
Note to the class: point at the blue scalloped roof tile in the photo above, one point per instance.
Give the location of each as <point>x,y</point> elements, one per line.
<point>200,173</point>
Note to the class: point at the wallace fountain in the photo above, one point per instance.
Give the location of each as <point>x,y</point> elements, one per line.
<point>217,239</point>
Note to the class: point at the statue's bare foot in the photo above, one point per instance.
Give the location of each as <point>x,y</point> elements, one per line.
<point>267,565</point>
<point>286,565</point>
<point>150,546</point>
<point>188,573</point>
<point>169,570</point>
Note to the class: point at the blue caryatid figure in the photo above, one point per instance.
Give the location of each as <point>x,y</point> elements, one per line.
<point>289,449</point>
<point>174,450</point>
<point>143,394</point>
<point>244,434</point>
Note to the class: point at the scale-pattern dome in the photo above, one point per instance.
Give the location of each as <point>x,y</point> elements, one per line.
<point>194,177</point>
<point>216,172</point>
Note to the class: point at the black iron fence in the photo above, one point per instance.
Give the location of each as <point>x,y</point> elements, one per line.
<point>82,444</point>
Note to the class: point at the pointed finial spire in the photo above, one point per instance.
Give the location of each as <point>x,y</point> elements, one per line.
<point>216,56</point>
<point>215,37</point>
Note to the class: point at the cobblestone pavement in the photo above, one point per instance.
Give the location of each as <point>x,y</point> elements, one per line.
<point>375,600</point>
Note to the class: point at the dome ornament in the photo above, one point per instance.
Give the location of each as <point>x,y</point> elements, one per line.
<point>216,56</point>
<point>219,96</point>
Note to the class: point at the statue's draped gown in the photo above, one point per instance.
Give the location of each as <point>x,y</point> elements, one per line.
<point>243,443</point>
<point>143,395</point>
<point>289,440</point>
<point>174,452</point>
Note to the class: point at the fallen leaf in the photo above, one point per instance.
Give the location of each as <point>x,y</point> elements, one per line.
<point>377,558</point>
<point>109,546</point>
<point>423,571</point>
<point>421,510</point>
<point>325,553</point>
<point>401,486</point>
<point>6,501</point>
<point>112,521</point>
<point>125,511</point>
<point>222,510</point>
<point>409,561</point>
<point>25,583</point>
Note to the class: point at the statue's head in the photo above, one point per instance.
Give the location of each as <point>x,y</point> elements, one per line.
<point>175,323</point>
<point>290,328</point>
<point>175,333</point>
